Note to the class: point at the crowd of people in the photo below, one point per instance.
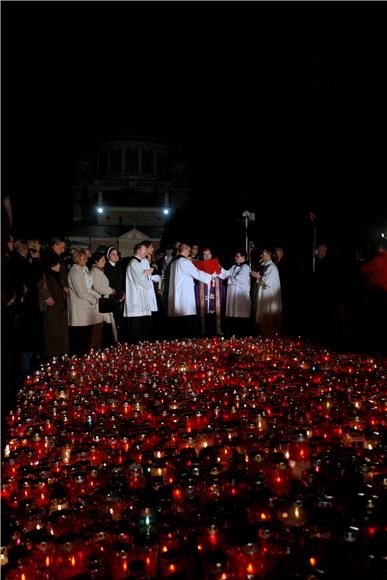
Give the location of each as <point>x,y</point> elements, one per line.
<point>57,301</point>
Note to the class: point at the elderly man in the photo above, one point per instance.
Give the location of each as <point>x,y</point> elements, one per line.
<point>181,294</point>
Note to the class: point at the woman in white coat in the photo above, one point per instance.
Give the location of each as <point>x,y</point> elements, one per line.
<point>82,304</point>
<point>105,332</point>
<point>238,302</point>
<point>268,312</point>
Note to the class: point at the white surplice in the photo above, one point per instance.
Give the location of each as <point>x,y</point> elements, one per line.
<point>238,303</point>
<point>181,294</point>
<point>269,302</point>
<point>151,289</point>
<point>136,299</point>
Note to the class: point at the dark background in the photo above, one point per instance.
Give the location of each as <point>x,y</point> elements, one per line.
<point>279,109</point>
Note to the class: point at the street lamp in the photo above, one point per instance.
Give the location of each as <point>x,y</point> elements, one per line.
<point>100,208</point>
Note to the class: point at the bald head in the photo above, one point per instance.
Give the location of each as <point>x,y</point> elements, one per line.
<point>184,250</point>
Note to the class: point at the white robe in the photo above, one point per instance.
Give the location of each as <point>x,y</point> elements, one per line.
<point>238,303</point>
<point>151,289</point>
<point>136,300</point>
<point>269,303</point>
<point>181,294</point>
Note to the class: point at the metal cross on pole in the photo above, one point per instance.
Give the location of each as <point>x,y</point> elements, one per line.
<point>249,217</point>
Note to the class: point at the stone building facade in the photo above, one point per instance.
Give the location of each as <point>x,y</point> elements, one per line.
<point>129,183</point>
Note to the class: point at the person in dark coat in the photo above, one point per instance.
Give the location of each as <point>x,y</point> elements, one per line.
<point>323,295</point>
<point>57,247</point>
<point>53,309</point>
<point>25,276</point>
<point>113,272</point>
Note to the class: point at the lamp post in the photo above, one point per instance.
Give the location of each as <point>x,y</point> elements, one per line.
<point>312,217</point>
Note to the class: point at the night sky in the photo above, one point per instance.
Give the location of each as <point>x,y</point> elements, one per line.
<point>280,109</point>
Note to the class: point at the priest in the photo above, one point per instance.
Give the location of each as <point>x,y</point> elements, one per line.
<point>181,293</point>
<point>210,298</point>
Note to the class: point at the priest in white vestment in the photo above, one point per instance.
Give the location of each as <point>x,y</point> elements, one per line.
<point>238,302</point>
<point>181,292</point>
<point>268,312</point>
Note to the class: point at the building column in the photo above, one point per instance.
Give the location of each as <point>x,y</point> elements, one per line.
<point>140,160</point>
<point>123,151</point>
<point>108,161</point>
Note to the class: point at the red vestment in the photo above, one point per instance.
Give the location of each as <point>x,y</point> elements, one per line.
<point>209,266</point>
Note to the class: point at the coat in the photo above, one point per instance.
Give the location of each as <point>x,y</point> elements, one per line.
<point>181,292</point>
<point>102,288</point>
<point>136,300</point>
<point>115,277</point>
<point>82,306</point>
<point>55,340</point>
<point>238,302</point>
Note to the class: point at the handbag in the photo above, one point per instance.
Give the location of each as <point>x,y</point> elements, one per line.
<point>106,305</point>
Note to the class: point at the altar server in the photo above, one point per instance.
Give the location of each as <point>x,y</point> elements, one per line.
<point>153,278</point>
<point>268,303</point>
<point>238,302</point>
<point>137,309</point>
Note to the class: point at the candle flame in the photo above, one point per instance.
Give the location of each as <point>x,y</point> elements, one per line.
<point>250,569</point>
<point>47,561</point>
<point>172,568</point>
<point>147,561</point>
<point>165,549</point>
<point>263,516</point>
<point>125,566</point>
<point>73,561</point>
<point>312,561</point>
<point>297,512</point>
